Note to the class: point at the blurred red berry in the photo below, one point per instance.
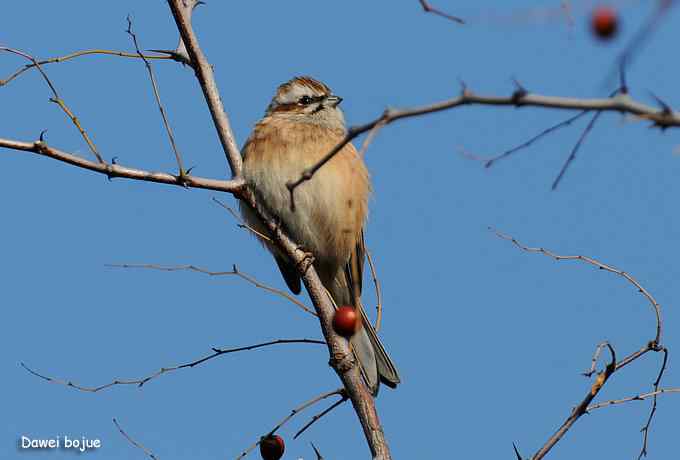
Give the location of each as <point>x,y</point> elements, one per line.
<point>604,22</point>
<point>272,447</point>
<point>345,321</point>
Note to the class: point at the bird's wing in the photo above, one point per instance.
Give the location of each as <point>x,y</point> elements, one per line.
<point>354,271</point>
<point>289,274</point>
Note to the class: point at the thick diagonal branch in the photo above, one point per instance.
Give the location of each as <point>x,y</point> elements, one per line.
<point>342,359</point>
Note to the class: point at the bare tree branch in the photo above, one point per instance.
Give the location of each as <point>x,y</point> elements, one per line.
<point>135,443</point>
<point>316,451</point>
<point>293,413</point>
<point>59,101</point>
<point>596,355</point>
<point>319,415</point>
<point>234,272</point>
<point>76,54</point>
<point>342,359</point>
<point>602,266</point>
<point>657,382</point>
<point>574,150</point>
<point>241,222</point>
<point>157,96</point>
<point>647,29</point>
<point>369,138</point>
<point>581,409</point>
<point>488,162</point>
<point>639,397</point>
<point>164,370</point>
<point>621,102</point>
<point>613,366</point>
<point>114,170</point>
<point>429,9</point>
<point>205,76</point>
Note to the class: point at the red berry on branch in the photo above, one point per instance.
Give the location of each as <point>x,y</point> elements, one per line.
<point>345,321</point>
<point>604,22</point>
<point>272,447</point>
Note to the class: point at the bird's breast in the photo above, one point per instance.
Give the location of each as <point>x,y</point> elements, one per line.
<point>330,208</point>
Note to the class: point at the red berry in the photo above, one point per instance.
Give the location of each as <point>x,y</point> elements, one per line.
<point>272,447</point>
<point>604,22</point>
<point>345,321</point>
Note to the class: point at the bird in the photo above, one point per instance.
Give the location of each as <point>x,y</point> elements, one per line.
<point>302,123</point>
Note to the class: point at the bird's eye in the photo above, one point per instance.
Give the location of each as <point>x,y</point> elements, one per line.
<point>305,100</point>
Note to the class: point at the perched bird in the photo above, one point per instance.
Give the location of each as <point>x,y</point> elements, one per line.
<point>302,123</point>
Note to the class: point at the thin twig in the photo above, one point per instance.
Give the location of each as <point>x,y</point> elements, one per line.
<point>316,451</point>
<point>488,162</point>
<point>114,170</point>
<point>613,366</point>
<point>135,443</point>
<point>378,291</point>
<point>76,54</point>
<point>596,355</point>
<point>602,266</point>
<point>58,100</point>
<point>241,222</point>
<point>429,9</point>
<point>233,272</point>
<point>369,138</point>
<point>574,150</point>
<point>181,12</point>
<point>647,29</point>
<point>581,409</point>
<point>640,397</point>
<point>164,370</point>
<point>293,412</point>
<point>657,382</point>
<point>545,132</point>
<point>319,415</point>
<point>157,96</point>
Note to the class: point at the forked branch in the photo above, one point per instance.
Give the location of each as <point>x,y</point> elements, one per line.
<point>621,103</point>
<point>653,345</point>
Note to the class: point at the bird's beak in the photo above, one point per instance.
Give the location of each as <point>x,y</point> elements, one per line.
<point>333,100</point>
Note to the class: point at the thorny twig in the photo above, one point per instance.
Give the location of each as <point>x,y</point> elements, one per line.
<point>164,370</point>
<point>295,411</point>
<point>157,96</point>
<point>621,102</point>
<point>233,272</point>
<point>319,415</point>
<point>596,355</point>
<point>488,162</point>
<point>657,382</point>
<point>650,26</point>
<point>574,150</point>
<point>241,222</point>
<point>76,54</point>
<point>614,365</point>
<point>581,409</point>
<point>115,170</point>
<point>58,100</point>
<point>133,442</point>
<point>602,266</point>
<point>338,348</point>
<point>429,9</point>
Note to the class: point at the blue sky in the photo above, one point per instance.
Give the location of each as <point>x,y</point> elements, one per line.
<point>490,341</point>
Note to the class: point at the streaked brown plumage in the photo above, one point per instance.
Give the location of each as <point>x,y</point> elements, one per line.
<point>303,122</point>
